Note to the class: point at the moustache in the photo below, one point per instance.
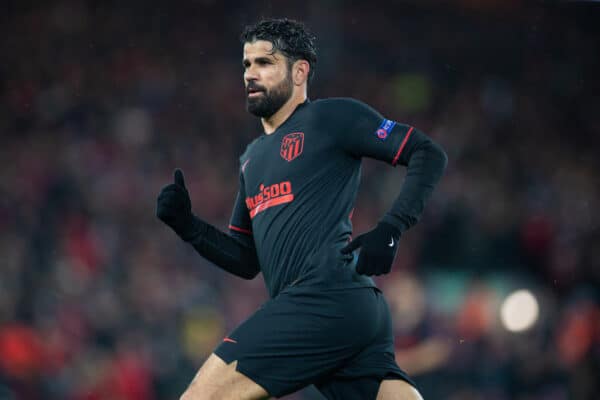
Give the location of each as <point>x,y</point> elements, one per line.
<point>253,87</point>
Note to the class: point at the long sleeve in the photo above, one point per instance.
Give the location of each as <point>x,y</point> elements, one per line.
<point>426,162</point>
<point>234,252</point>
<point>368,134</point>
<point>236,255</point>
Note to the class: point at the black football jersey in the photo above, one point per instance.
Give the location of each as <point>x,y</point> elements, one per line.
<point>298,186</point>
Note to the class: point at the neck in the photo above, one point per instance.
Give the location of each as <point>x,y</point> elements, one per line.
<point>274,121</point>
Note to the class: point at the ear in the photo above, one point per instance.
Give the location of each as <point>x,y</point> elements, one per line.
<point>300,71</point>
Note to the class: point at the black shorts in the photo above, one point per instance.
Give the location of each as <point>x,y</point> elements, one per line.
<point>339,340</point>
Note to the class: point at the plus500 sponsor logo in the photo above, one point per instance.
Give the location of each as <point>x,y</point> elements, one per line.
<point>269,196</point>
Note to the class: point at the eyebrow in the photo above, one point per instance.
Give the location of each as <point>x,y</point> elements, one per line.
<point>246,62</point>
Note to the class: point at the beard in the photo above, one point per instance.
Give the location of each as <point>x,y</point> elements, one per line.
<point>267,104</point>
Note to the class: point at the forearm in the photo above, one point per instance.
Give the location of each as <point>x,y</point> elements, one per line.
<point>426,162</point>
<point>225,251</point>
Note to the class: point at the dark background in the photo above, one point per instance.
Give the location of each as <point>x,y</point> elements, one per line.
<point>100,101</point>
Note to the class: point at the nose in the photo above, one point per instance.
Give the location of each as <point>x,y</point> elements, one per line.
<point>250,75</point>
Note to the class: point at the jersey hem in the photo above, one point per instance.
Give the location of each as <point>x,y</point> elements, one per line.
<point>238,229</point>
<point>328,287</point>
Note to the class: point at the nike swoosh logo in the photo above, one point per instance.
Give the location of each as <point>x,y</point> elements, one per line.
<point>391,244</point>
<point>229,340</point>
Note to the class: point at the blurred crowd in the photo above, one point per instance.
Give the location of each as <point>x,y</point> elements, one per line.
<point>100,101</point>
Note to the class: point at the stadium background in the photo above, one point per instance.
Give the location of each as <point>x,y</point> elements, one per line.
<point>100,101</point>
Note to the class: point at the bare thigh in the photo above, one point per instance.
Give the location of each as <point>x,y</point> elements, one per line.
<point>218,380</point>
<point>397,390</point>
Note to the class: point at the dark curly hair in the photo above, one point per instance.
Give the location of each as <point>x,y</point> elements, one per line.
<point>288,36</point>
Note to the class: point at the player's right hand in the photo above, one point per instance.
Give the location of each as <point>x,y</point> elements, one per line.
<point>174,208</point>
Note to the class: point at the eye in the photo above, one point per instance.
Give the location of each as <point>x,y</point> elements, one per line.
<point>262,61</point>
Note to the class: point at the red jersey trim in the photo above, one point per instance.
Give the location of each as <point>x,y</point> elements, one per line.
<point>395,160</point>
<point>235,228</point>
<point>271,203</point>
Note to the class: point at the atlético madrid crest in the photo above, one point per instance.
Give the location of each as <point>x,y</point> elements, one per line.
<point>292,145</point>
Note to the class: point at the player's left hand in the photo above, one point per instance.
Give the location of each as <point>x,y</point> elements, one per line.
<point>377,249</point>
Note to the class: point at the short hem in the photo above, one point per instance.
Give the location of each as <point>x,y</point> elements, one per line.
<point>260,382</point>
<point>224,357</point>
<point>394,376</point>
<point>248,374</point>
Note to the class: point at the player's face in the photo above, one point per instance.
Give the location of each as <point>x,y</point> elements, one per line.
<point>267,78</point>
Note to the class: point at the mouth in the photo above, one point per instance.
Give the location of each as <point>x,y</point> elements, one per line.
<point>254,93</point>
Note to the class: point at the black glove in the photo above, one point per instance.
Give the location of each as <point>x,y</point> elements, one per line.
<point>378,249</point>
<point>174,208</point>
